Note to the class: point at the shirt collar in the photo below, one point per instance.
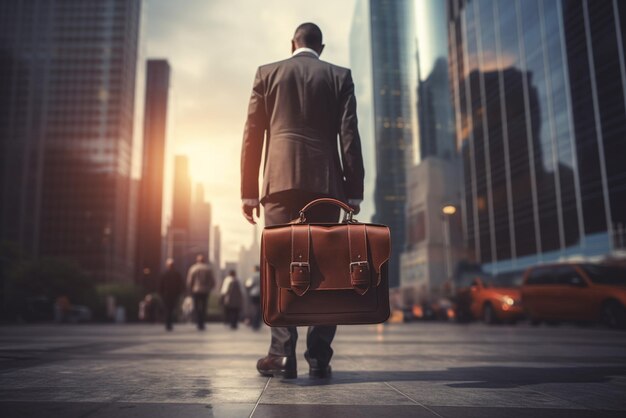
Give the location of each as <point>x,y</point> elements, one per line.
<point>309,50</point>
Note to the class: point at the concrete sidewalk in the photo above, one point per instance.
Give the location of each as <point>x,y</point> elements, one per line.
<point>413,370</point>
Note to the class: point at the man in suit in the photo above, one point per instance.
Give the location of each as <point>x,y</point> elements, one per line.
<point>297,109</point>
<point>171,286</point>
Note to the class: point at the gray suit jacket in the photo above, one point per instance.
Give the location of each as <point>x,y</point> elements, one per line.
<point>300,105</point>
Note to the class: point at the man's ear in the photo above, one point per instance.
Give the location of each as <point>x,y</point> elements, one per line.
<point>293,46</point>
<point>321,49</point>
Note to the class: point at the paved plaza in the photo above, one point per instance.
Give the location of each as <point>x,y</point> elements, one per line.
<point>409,370</point>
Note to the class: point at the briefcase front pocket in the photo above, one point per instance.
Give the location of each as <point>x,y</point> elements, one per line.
<point>327,302</point>
<point>325,274</point>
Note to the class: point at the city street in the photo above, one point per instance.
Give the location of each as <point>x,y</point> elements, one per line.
<point>416,370</point>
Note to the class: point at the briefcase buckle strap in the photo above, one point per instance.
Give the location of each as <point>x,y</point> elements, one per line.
<point>300,277</point>
<point>357,264</point>
<point>301,264</point>
<point>360,276</point>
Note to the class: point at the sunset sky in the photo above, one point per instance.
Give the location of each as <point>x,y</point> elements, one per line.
<point>214,48</point>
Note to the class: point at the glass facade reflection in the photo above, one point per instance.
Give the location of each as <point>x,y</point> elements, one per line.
<point>361,66</point>
<point>435,118</point>
<point>391,26</point>
<point>540,102</point>
<point>67,83</point>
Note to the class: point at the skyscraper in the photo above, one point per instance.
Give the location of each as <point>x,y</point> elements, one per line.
<point>361,66</point>
<point>539,92</point>
<point>249,257</point>
<point>199,233</point>
<point>182,193</point>
<point>434,107</point>
<point>433,243</point>
<point>391,29</point>
<point>217,252</point>
<point>150,205</point>
<point>178,230</point>
<point>67,85</point>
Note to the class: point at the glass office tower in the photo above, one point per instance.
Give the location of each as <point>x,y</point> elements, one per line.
<point>150,205</point>
<point>539,90</point>
<point>67,90</point>
<point>434,107</point>
<point>392,43</point>
<point>361,67</point>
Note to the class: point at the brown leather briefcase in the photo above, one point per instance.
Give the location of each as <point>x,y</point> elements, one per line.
<point>325,273</point>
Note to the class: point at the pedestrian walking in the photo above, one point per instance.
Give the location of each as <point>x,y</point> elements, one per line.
<point>200,282</point>
<point>231,299</point>
<point>297,109</point>
<point>253,286</point>
<point>171,287</point>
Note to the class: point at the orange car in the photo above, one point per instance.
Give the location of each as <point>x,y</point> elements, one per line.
<point>576,292</point>
<point>495,300</point>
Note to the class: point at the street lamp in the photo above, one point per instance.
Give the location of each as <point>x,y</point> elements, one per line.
<point>446,212</point>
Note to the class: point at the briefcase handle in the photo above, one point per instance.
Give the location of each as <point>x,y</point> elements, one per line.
<point>327,200</point>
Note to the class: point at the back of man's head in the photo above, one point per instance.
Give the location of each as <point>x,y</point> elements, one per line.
<point>308,35</point>
<point>199,258</point>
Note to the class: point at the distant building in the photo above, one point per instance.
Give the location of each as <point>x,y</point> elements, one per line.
<point>217,250</point>
<point>149,219</point>
<point>178,230</point>
<point>249,257</point>
<point>361,67</point>
<point>181,210</point>
<point>391,35</point>
<point>67,92</point>
<point>434,105</point>
<point>539,91</point>
<point>199,234</point>
<point>434,240</point>
<point>178,247</point>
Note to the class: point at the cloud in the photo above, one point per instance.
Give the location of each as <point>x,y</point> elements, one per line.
<point>214,48</point>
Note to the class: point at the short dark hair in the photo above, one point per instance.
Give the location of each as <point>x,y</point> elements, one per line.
<point>232,273</point>
<point>308,35</point>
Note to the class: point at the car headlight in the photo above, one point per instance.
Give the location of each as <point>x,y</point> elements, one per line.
<point>508,300</point>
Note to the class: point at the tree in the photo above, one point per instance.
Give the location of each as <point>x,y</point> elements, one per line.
<point>32,286</point>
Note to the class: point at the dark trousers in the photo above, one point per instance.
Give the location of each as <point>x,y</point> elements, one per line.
<point>232,317</point>
<point>169,316</point>
<point>255,304</point>
<point>199,306</point>
<point>281,208</point>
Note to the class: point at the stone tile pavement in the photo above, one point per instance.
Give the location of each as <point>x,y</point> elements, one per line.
<point>412,370</point>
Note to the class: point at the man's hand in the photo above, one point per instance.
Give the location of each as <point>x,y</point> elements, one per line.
<point>355,208</point>
<point>355,204</point>
<point>248,212</point>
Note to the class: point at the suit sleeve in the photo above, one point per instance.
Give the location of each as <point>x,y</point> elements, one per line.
<point>352,158</point>
<point>253,136</point>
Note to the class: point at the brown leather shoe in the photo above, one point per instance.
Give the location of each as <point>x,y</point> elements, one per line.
<point>277,366</point>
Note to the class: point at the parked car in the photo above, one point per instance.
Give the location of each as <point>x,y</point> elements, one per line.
<point>493,300</point>
<point>576,292</point>
<point>462,297</point>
